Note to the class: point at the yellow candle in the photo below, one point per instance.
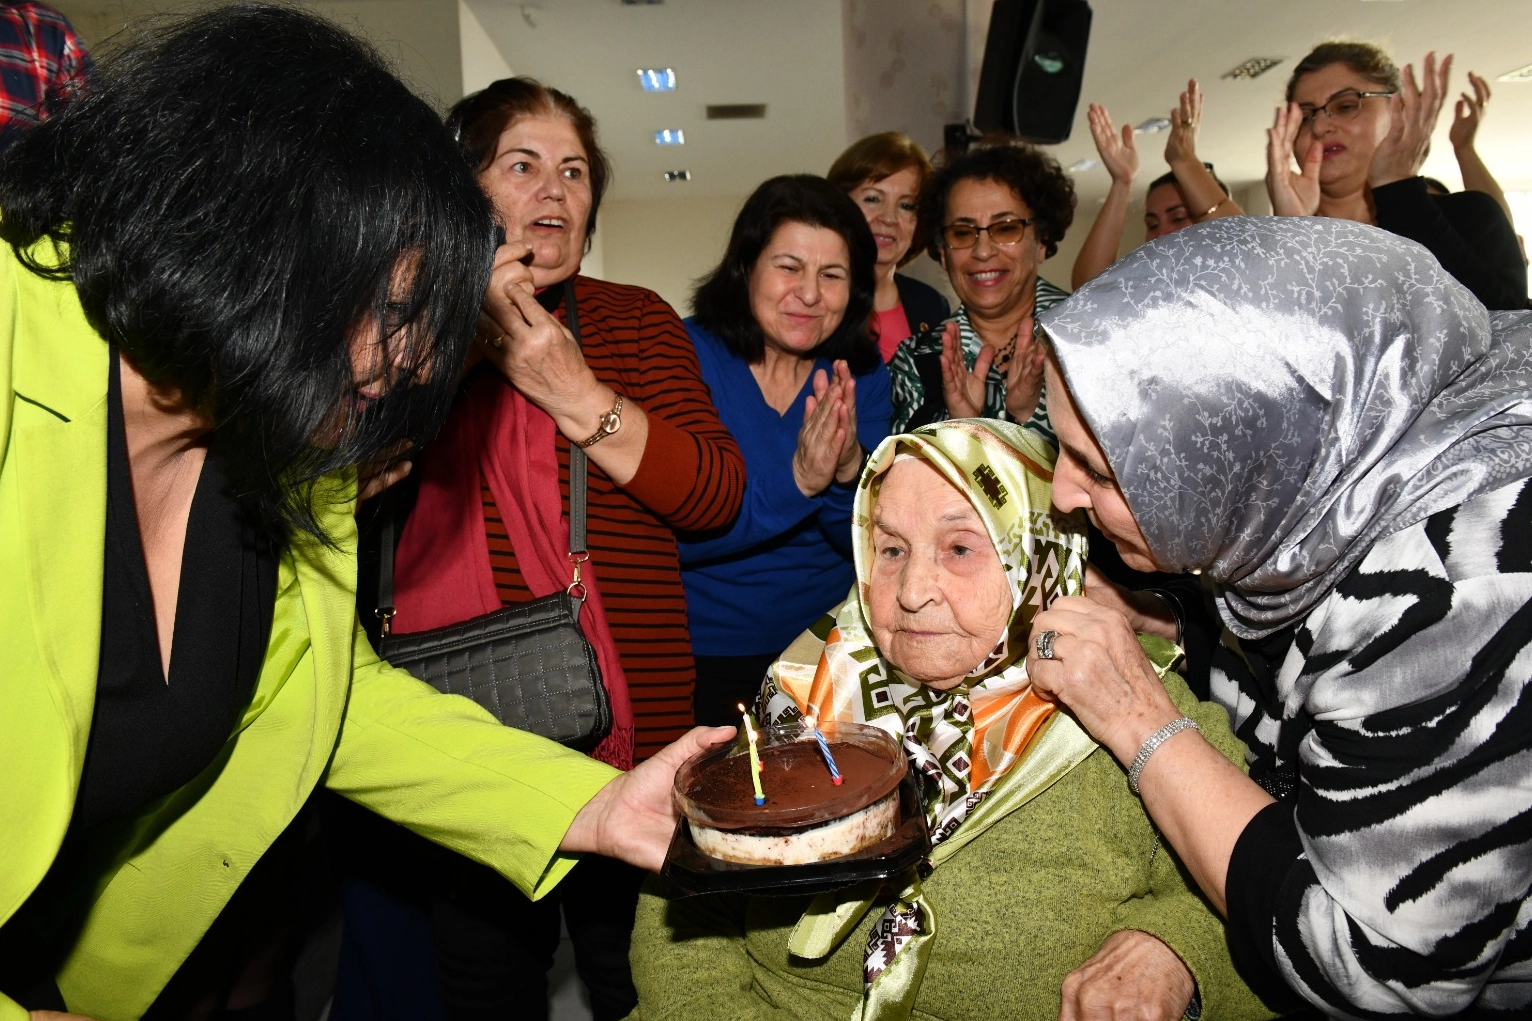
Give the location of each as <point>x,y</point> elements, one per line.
<point>755,757</point>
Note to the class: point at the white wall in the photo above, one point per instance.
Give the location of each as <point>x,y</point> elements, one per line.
<point>664,244</point>
<point>482,60</point>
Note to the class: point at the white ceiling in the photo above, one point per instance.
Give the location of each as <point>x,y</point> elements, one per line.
<point>788,54</point>
<point>784,53</point>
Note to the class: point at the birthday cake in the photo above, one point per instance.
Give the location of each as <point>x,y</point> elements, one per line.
<point>806,816</point>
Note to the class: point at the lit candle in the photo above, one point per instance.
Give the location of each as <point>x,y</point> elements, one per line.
<point>824,747</point>
<point>755,757</point>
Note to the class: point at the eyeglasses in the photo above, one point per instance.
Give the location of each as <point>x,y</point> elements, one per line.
<point>1001,232</point>
<point>1343,106</point>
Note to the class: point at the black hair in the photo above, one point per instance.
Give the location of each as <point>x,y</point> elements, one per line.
<point>1170,178</point>
<point>239,196</point>
<point>1035,177</point>
<point>722,298</point>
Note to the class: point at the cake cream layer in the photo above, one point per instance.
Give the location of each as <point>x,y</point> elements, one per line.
<point>833,839</point>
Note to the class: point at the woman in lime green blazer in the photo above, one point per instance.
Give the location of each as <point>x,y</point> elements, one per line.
<point>279,253</point>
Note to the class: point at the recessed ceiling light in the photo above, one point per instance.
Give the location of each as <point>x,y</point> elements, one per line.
<point>1152,125</point>
<point>657,79</point>
<point>1252,68</point>
<point>1080,166</point>
<point>678,175</point>
<point>1521,74</point>
<point>670,136</point>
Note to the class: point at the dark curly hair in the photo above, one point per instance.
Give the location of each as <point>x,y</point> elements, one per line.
<point>1035,177</point>
<point>722,298</point>
<point>237,197</point>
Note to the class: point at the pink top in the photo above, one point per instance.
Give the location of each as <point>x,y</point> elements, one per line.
<point>892,327</point>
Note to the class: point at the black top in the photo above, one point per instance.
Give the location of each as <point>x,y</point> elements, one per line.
<point>924,306</point>
<point>149,737</point>
<point>1468,233</point>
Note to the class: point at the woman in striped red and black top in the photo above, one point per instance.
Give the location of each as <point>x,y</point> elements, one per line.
<point>489,525</point>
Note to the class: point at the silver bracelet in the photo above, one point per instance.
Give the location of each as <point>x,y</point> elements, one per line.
<point>1148,748</point>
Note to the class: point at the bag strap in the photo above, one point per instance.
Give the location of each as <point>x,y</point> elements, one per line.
<point>578,517</point>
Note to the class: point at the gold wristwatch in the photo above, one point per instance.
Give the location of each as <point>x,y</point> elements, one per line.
<point>610,423</point>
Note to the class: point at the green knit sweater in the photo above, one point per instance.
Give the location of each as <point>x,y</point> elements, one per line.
<point>1019,908</point>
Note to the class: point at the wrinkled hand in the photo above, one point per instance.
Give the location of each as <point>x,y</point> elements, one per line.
<point>1101,673</point>
<point>1468,112</point>
<point>633,818</point>
<point>827,427</point>
<point>1412,119</point>
<point>534,351</point>
<point>1133,977</point>
<point>1291,194</point>
<point>1024,374</point>
<point>963,388</point>
<point>1181,146</point>
<point>1118,153</point>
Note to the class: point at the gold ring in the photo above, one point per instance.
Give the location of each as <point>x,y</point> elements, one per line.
<point>496,341</point>
<point>1187,123</point>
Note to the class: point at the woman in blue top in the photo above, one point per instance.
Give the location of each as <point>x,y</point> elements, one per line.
<point>782,336</point>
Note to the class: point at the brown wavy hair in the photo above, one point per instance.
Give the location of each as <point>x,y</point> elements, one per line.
<point>1365,59</point>
<point>478,120</point>
<point>882,155</point>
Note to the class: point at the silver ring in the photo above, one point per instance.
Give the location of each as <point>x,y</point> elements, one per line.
<point>1045,644</point>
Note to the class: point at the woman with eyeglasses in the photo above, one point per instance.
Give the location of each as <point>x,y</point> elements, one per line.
<point>1360,132</point>
<point>994,214</point>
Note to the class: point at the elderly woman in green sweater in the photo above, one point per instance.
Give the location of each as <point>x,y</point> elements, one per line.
<point>1051,893</point>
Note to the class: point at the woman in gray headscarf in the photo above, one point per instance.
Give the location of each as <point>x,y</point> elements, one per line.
<point>1324,423</point>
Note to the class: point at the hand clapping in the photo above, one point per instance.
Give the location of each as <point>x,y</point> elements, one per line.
<point>1118,153</point>
<point>1412,119</point>
<point>828,448</point>
<point>1291,194</point>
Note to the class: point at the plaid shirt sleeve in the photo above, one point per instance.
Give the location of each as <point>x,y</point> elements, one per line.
<point>39,51</point>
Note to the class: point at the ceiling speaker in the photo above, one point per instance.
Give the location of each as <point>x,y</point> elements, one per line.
<point>1034,63</point>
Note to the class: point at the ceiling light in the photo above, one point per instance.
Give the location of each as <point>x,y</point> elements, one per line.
<point>657,79</point>
<point>678,175</point>
<point>1252,68</point>
<point>1521,74</point>
<point>1080,166</point>
<point>1152,125</point>
<point>670,136</point>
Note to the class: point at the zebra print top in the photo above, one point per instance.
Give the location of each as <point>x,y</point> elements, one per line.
<point>1394,724</point>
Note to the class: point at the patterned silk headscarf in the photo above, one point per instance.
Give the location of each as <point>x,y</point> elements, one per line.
<point>962,739</point>
<point>1276,394</point>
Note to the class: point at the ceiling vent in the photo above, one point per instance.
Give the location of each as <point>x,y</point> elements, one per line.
<point>736,111</point>
<point>1252,68</point>
<point>1521,74</point>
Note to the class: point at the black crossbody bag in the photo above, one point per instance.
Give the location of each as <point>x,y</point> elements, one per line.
<point>528,664</point>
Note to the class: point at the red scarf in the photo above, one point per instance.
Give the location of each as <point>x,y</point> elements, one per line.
<point>443,574</point>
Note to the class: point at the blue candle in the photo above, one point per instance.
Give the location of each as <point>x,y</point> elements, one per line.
<point>824,748</point>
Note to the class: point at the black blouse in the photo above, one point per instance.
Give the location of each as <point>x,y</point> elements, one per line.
<point>149,734</point>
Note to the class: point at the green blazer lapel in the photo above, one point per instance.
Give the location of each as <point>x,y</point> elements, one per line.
<point>52,535</point>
